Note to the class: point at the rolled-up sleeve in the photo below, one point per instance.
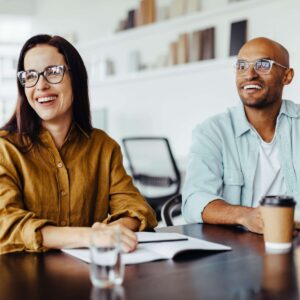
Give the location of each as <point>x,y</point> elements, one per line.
<point>204,178</point>
<point>124,199</point>
<point>19,229</point>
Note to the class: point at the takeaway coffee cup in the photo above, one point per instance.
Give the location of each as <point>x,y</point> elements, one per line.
<point>278,217</point>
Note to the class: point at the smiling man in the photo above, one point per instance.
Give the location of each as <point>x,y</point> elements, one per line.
<point>250,151</point>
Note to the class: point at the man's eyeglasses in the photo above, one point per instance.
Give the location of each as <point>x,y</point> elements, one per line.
<point>53,74</point>
<point>261,66</point>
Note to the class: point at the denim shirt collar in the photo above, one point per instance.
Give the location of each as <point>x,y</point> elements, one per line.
<point>289,109</point>
<point>240,121</point>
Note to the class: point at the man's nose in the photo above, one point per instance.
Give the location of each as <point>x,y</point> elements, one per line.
<point>251,72</point>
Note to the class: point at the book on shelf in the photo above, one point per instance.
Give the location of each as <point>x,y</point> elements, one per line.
<point>172,55</point>
<point>238,36</point>
<point>148,11</point>
<point>139,14</point>
<point>122,25</point>
<point>183,49</point>
<point>208,43</point>
<point>142,13</point>
<point>157,246</point>
<point>131,19</point>
<point>151,11</point>
<point>195,48</point>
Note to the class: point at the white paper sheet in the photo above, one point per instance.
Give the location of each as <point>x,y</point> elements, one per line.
<point>156,250</point>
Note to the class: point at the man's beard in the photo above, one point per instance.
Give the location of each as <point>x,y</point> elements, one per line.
<point>257,104</point>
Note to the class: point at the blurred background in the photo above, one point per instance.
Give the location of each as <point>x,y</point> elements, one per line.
<point>156,68</point>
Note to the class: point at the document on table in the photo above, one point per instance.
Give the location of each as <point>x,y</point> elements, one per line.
<point>156,246</point>
<point>155,237</point>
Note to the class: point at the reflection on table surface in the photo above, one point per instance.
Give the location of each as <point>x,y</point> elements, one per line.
<point>246,272</point>
<point>116,293</point>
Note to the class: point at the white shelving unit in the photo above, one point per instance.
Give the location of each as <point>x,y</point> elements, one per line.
<point>171,101</point>
<point>184,21</point>
<point>152,40</point>
<point>171,71</point>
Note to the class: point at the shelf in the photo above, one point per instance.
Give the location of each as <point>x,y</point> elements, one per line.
<point>155,28</point>
<point>176,70</point>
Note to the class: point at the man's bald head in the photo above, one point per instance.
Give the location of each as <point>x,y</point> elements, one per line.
<point>259,89</point>
<point>267,48</point>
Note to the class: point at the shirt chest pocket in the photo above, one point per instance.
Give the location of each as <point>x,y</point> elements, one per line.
<point>233,177</point>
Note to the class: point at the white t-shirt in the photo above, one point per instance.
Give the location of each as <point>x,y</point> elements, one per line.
<point>268,179</point>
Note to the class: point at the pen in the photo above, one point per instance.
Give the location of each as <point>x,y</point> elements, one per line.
<point>163,241</point>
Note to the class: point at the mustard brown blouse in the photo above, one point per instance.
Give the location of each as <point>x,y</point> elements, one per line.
<point>77,185</point>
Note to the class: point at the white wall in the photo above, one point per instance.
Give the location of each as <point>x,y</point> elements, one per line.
<point>79,19</point>
<point>88,20</point>
<point>17,7</point>
<point>13,31</point>
<point>171,105</point>
<point>167,104</point>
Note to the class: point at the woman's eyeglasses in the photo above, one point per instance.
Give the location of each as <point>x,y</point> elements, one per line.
<point>53,75</point>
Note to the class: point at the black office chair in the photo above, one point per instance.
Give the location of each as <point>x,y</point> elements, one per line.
<point>170,208</point>
<point>153,168</point>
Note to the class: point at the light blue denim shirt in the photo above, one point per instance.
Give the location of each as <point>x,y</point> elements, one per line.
<point>223,159</point>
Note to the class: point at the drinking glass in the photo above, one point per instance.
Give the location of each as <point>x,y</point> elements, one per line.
<point>107,268</point>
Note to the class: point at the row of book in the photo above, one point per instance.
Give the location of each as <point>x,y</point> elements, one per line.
<point>149,12</point>
<point>200,44</point>
<point>191,47</point>
<point>188,47</point>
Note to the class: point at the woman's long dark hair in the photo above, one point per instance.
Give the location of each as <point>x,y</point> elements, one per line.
<point>25,120</point>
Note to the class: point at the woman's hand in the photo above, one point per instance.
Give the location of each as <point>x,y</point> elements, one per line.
<point>128,238</point>
<point>74,237</point>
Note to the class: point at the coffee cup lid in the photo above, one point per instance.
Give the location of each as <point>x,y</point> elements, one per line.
<point>276,200</point>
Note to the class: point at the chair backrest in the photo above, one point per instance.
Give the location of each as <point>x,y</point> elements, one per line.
<point>168,209</point>
<point>153,169</point>
<point>152,166</point>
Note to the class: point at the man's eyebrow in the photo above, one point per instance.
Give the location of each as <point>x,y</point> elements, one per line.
<point>243,59</point>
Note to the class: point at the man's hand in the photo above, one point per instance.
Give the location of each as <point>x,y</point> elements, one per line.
<point>220,212</point>
<point>251,218</point>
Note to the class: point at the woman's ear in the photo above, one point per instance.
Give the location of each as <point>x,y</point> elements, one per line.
<point>288,76</point>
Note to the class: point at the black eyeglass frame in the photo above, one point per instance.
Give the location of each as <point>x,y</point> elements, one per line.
<point>43,73</point>
<point>254,63</point>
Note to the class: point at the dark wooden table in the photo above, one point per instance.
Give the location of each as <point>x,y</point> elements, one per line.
<point>246,272</point>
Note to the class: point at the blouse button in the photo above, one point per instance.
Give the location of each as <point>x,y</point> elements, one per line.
<point>60,165</point>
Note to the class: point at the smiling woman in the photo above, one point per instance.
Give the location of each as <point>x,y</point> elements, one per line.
<point>59,177</point>
<point>48,89</point>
